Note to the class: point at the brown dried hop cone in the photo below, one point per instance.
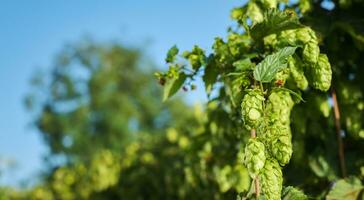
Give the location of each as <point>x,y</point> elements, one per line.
<point>322,73</point>
<point>254,157</point>
<point>271,180</point>
<point>252,108</point>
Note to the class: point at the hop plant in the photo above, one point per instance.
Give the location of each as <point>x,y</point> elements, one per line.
<point>254,157</point>
<point>322,73</point>
<point>271,180</point>
<point>252,108</point>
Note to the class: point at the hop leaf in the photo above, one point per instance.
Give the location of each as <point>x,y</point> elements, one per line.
<point>322,73</point>
<point>291,193</point>
<point>252,108</point>
<point>271,180</point>
<point>266,70</point>
<point>275,21</point>
<point>171,54</point>
<point>254,158</point>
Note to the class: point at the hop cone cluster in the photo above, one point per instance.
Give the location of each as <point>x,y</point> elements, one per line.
<point>252,108</point>
<point>271,180</point>
<point>254,157</point>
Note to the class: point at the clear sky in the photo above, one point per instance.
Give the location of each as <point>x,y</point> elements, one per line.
<point>31,33</point>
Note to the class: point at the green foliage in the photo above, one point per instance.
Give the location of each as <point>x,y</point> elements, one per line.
<point>266,70</point>
<point>350,189</point>
<point>257,77</point>
<point>100,96</point>
<point>290,192</point>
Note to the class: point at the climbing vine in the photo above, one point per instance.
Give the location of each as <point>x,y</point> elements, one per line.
<point>264,65</point>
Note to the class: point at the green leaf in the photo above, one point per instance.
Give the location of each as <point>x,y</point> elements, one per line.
<point>348,189</point>
<point>171,54</point>
<point>243,65</point>
<point>173,85</point>
<point>290,193</point>
<point>275,21</point>
<point>266,70</point>
<point>210,76</point>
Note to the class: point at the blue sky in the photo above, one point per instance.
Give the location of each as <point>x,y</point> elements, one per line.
<point>32,32</point>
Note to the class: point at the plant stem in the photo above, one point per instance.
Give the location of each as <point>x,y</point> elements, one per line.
<point>338,133</point>
<point>253,134</point>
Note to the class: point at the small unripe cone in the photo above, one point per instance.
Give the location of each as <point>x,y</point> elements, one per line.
<point>254,157</point>
<point>271,180</point>
<point>252,108</point>
<point>322,73</point>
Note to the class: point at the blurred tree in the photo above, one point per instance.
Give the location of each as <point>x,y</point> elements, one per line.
<point>99,96</point>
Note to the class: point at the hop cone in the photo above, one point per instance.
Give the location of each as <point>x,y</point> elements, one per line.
<point>269,3</point>
<point>279,106</point>
<point>322,73</point>
<point>252,108</point>
<point>254,158</point>
<point>296,69</point>
<point>281,146</point>
<point>311,53</point>
<point>305,35</point>
<point>287,37</point>
<point>277,138</point>
<point>271,180</point>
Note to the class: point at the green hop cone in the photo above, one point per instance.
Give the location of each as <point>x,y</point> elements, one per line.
<point>270,40</point>
<point>277,139</point>
<point>279,107</point>
<point>306,35</point>
<point>287,38</point>
<point>254,13</point>
<point>311,52</point>
<point>269,3</point>
<point>281,146</point>
<point>254,157</point>
<point>297,72</point>
<point>322,73</point>
<point>252,108</point>
<point>271,180</point>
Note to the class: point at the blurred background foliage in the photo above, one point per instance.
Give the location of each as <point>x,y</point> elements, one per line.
<point>100,111</point>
